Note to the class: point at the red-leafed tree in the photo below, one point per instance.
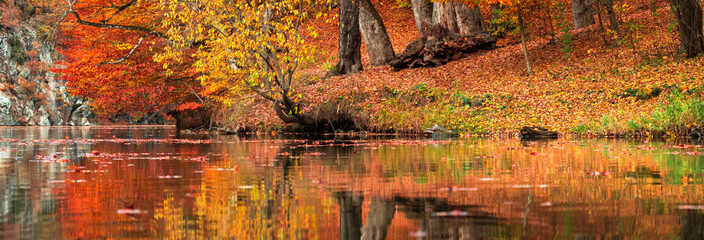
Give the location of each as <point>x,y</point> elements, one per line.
<point>109,49</point>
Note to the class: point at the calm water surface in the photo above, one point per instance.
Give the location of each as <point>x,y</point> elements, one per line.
<point>147,182</point>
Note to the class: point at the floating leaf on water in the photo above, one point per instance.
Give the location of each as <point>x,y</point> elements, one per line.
<point>131,211</point>
<point>458,189</point>
<point>595,173</point>
<point>691,207</point>
<point>418,234</point>
<point>454,213</point>
<point>169,177</point>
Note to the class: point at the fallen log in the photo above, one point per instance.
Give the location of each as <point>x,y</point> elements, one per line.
<point>438,46</point>
<point>534,132</point>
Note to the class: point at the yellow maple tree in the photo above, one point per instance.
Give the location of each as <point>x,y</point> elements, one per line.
<point>244,46</point>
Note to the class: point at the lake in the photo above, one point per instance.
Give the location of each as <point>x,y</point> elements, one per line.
<point>150,182</point>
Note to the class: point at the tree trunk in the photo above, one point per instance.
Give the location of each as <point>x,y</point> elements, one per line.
<point>613,21</point>
<point>422,12</point>
<point>582,14</point>
<point>373,30</point>
<point>689,21</point>
<point>458,18</point>
<point>523,40</point>
<point>350,40</point>
<point>381,212</point>
<point>444,15</point>
<point>601,23</point>
<point>469,20</point>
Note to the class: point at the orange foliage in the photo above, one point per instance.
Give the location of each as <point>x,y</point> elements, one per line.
<point>114,67</point>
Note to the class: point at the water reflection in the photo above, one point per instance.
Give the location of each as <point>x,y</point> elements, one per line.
<point>149,182</point>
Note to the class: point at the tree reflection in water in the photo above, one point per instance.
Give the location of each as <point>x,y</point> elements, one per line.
<point>139,182</point>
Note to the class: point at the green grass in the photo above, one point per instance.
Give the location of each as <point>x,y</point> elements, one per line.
<point>680,116</point>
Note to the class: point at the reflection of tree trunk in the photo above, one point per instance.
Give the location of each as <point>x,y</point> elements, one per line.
<point>381,213</point>
<point>692,225</point>
<point>374,32</point>
<point>350,215</point>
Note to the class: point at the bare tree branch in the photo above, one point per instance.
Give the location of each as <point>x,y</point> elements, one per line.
<point>128,54</point>
<point>116,26</point>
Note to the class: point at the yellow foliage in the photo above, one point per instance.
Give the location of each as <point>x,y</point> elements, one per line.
<point>240,46</point>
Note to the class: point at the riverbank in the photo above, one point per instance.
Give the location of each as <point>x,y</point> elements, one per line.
<point>642,87</point>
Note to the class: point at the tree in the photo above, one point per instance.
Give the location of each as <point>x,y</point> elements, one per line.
<point>457,17</point>
<point>445,16</point>
<point>422,12</point>
<point>245,47</point>
<point>350,39</point>
<point>516,7</point>
<point>689,21</point>
<point>613,30</point>
<point>582,14</point>
<point>469,19</point>
<point>521,27</point>
<point>108,49</point>
<point>373,30</point>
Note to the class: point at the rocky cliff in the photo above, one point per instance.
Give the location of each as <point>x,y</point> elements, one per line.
<point>30,94</point>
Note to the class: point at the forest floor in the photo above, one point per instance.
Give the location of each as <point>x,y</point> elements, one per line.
<point>580,84</point>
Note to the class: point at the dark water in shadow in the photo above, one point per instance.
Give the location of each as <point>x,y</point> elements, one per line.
<point>147,182</point>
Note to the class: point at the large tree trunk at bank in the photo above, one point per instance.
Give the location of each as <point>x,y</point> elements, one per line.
<point>444,15</point>
<point>381,212</point>
<point>373,30</point>
<point>469,20</point>
<point>689,21</point>
<point>350,39</point>
<point>422,12</point>
<point>582,14</point>
<point>459,18</point>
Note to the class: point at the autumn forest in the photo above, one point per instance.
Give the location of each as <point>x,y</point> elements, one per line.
<point>478,67</point>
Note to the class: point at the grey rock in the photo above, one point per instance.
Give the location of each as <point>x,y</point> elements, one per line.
<point>80,116</point>
<point>439,132</point>
<point>5,105</point>
<point>31,95</point>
